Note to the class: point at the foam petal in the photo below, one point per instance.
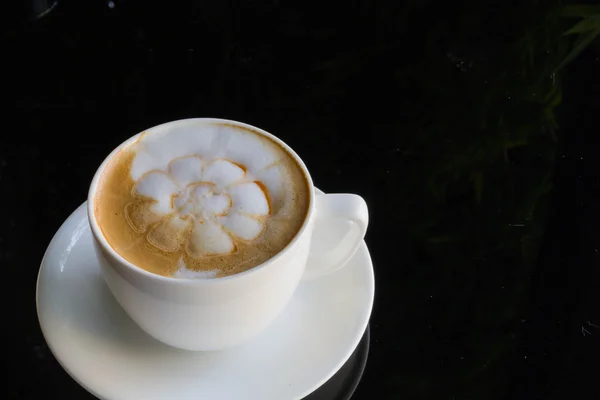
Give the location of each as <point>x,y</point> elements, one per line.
<point>186,170</point>
<point>162,144</point>
<point>157,185</point>
<point>141,216</point>
<point>249,198</point>
<point>272,178</point>
<point>223,173</point>
<point>208,238</point>
<point>241,226</point>
<point>170,234</point>
<point>253,152</point>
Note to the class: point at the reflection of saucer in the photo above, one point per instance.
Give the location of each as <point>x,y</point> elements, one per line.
<point>342,385</point>
<point>104,351</point>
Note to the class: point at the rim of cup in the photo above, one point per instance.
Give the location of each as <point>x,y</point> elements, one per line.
<point>99,236</point>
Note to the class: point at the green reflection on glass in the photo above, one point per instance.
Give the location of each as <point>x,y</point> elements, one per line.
<point>477,144</point>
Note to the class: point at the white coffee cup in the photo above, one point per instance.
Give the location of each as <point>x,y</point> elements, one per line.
<point>212,314</point>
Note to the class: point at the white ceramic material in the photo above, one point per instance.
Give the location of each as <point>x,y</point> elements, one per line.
<point>109,355</point>
<point>213,314</point>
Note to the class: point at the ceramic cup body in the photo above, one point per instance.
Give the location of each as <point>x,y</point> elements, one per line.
<point>213,314</point>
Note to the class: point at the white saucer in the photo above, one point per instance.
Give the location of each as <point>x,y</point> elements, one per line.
<point>110,356</point>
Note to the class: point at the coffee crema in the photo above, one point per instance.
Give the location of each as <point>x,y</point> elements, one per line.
<point>200,199</point>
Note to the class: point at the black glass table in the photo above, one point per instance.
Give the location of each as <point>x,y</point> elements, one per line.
<point>470,129</point>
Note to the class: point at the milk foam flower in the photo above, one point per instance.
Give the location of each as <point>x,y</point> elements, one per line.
<point>204,206</point>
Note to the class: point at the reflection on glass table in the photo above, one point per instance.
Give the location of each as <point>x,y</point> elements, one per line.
<point>342,385</point>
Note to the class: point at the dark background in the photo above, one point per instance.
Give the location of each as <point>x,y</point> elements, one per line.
<point>469,127</point>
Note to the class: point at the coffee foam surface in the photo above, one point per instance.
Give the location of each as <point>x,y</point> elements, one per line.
<point>157,148</point>
<point>208,189</point>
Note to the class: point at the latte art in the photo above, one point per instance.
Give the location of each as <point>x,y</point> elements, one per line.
<point>201,197</point>
<point>199,206</point>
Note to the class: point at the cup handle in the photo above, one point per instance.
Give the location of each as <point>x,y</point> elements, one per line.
<point>325,258</point>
